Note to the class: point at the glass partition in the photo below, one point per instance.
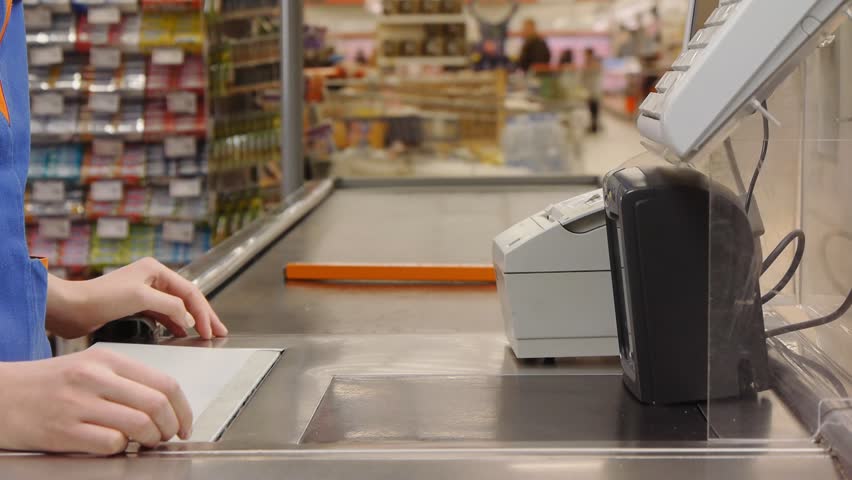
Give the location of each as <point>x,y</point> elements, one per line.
<point>780,272</point>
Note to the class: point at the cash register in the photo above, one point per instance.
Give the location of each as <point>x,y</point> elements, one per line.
<point>553,276</point>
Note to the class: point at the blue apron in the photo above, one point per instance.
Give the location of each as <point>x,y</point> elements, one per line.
<point>23,281</point>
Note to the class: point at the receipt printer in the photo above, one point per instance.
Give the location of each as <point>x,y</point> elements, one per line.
<point>554,281</point>
<point>687,301</point>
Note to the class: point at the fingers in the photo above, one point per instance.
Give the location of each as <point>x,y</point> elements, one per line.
<point>172,307</point>
<point>207,322</point>
<point>177,329</point>
<point>136,372</point>
<point>133,424</point>
<point>219,328</point>
<point>154,404</point>
<point>96,439</point>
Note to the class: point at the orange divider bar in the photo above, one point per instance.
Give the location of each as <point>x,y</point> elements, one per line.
<point>390,272</point>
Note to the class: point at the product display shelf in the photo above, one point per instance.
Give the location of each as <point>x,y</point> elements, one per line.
<point>422,34</point>
<point>118,166</point>
<point>244,76</point>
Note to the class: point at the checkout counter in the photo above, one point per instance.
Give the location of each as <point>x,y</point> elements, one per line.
<point>418,381</point>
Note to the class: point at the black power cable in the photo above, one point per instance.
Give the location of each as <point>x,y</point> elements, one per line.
<point>817,322</point>
<point>822,370</point>
<point>796,234</point>
<point>794,265</point>
<point>763,151</point>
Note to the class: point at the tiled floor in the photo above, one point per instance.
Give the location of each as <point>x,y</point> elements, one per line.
<point>615,144</point>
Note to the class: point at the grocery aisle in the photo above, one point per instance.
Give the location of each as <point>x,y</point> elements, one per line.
<point>612,146</point>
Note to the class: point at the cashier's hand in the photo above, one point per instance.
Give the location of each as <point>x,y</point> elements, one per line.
<point>75,309</point>
<point>90,402</point>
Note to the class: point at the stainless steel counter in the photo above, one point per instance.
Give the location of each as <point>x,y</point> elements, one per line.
<point>385,382</point>
<point>425,224</point>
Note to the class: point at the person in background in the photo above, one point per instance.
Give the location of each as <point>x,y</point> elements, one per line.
<point>567,58</point>
<point>592,83</point>
<point>535,50</point>
<point>498,30</point>
<point>361,58</point>
<point>490,57</point>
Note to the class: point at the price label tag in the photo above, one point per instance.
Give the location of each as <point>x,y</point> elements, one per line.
<point>104,15</point>
<point>104,102</point>
<point>108,148</point>
<point>37,18</point>
<point>167,56</point>
<point>184,146</point>
<point>182,102</point>
<point>105,57</point>
<point>43,56</point>
<point>50,103</point>
<point>113,228</point>
<point>56,228</point>
<point>107,191</point>
<point>178,232</point>
<point>48,191</point>
<point>185,187</point>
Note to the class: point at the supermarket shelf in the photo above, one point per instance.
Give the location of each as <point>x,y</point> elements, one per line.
<point>248,13</point>
<point>170,7</point>
<point>421,19</point>
<point>243,89</point>
<point>258,62</point>
<point>129,48</point>
<point>81,92</point>
<point>438,61</point>
<point>143,137</point>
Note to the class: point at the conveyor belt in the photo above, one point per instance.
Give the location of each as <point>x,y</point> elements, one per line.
<point>416,225</point>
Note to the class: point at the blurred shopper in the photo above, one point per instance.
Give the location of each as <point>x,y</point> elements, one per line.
<point>535,50</point>
<point>567,58</point>
<point>491,58</point>
<point>497,31</point>
<point>592,82</point>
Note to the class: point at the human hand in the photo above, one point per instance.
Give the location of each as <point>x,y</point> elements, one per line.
<point>75,309</point>
<point>89,402</point>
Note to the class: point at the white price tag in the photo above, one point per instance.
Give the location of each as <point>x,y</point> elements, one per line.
<point>167,56</point>
<point>182,102</point>
<point>178,232</point>
<point>185,187</point>
<point>113,228</point>
<point>184,146</point>
<point>43,56</point>
<point>37,18</point>
<point>107,148</point>
<point>104,102</point>
<point>49,191</point>
<point>50,103</point>
<point>104,15</point>
<point>107,191</point>
<point>56,228</point>
<point>105,57</point>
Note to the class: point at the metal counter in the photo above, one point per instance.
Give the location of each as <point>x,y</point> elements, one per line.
<point>384,381</point>
<point>417,224</point>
